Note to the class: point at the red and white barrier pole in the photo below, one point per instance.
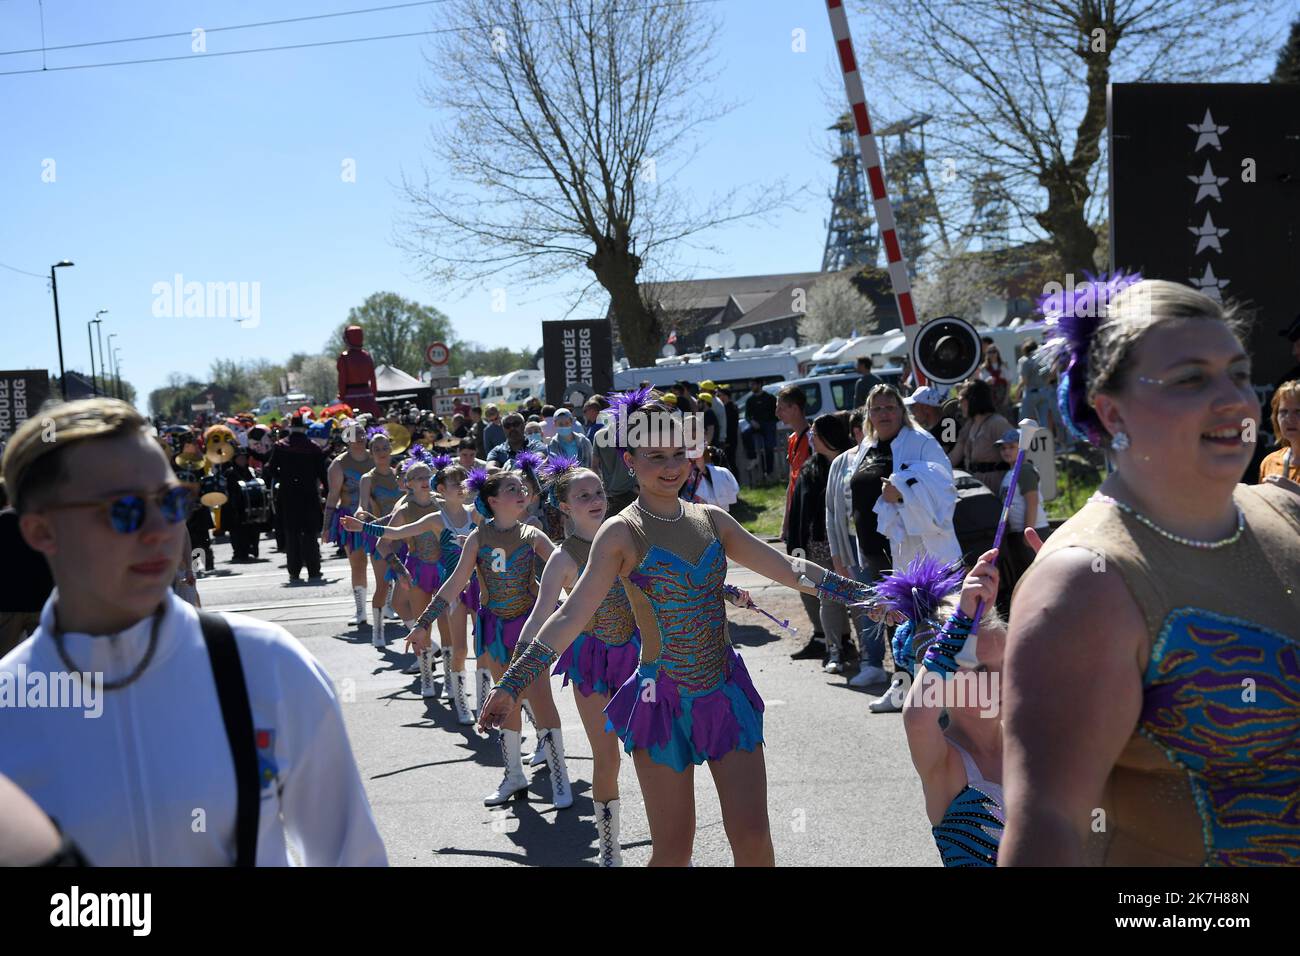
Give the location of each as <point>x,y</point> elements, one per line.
<point>875,175</point>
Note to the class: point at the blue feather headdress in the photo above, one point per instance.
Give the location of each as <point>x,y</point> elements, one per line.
<point>1073,316</point>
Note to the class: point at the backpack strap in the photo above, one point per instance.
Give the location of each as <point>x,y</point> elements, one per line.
<point>237,715</point>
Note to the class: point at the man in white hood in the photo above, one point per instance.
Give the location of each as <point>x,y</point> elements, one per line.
<point>152,736</point>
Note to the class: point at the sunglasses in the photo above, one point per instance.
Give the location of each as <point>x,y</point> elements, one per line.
<point>126,513</point>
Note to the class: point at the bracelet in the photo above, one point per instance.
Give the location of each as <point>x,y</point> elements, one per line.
<point>374,529</point>
<point>839,588</point>
<point>941,656</point>
<point>397,567</point>
<point>431,613</point>
<point>534,660</point>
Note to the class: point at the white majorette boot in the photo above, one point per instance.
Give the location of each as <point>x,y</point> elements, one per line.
<point>891,701</point>
<point>538,759</point>
<point>426,674</point>
<point>513,781</point>
<point>463,716</point>
<point>611,851</point>
<point>389,613</point>
<point>445,657</point>
<point>482,687</point>
<point>359,596</point>
<point>377,623</point>
<point>553,740</point>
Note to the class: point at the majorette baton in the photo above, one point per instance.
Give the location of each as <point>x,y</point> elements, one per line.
<point>1027,428</point>
<point>733,595</point>
<point>875,175</point>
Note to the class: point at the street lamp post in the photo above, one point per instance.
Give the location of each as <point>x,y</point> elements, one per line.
<point>117,371</point>
<point>112,354</point>
<point>58,327</point>
<point>96,321</point>
<point>90,340</point>
<point>99,334</point>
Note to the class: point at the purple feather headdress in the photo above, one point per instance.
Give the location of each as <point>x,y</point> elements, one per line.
<point>439,462</point>
<point>623,404</point>
<point>374,431</point>
<point>917,590</point>
<point>416,455</point>
<point>476,480</point>
<point>557,465</point>
<point>528,462</point>
<point>1073,315</point>
<point>474,483</point>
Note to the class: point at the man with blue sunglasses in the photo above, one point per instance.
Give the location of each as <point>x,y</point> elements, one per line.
<point>224,713</point>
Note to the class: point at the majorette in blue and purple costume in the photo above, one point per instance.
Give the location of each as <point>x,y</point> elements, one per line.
<point>691,699</point>
<point>474,484</point>
<point>349,496</point>
<point>1213,753</point>
<point>971,829</point>
<point>384,495</point>
<point>507,587</point>
<point>421,554</point>
<point>608,650</point>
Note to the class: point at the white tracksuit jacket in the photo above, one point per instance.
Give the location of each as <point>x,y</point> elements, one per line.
<point>151,780</point>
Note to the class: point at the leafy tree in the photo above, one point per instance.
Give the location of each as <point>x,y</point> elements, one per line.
<point>397,331</point>
<point>1288,59</point>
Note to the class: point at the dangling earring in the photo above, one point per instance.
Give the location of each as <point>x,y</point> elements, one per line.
<point>630,471</point>
<point>1120,441</point>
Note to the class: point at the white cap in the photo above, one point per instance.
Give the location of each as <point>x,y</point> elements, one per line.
<point>927,395</point>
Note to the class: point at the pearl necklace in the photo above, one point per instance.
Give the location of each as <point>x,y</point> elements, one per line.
<point>1180,539</point>
<point>680,514</point>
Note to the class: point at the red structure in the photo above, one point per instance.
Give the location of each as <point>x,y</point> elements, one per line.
<point>356,369</point>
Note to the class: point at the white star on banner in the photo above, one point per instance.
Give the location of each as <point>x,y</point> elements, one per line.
<point>1209,184</point>
<point>1209,283</point>
<point>1209,132</point>
<point>1207,235</point>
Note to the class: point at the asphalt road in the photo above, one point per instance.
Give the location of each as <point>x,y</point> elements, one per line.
<point>841,788</point>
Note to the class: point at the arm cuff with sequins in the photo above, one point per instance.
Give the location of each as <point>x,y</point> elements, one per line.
<point>941,656</point>
<point>843,590</point>
<point>431,613</point>
<point>529,664</point>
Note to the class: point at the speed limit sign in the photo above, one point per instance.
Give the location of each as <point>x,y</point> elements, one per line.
<point>437,353</point>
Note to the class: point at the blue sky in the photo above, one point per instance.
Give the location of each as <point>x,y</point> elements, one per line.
<point>229,170</point>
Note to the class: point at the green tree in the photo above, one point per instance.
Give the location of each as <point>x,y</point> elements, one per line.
<point>397,330</point>
<point>1018,88</point>
<point>471,356</point>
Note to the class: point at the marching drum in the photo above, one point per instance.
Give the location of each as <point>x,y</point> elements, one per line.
<point>256,501</point>
<point>212,491</point>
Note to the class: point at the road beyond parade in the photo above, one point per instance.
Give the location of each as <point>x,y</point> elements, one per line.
<point>854,567</point>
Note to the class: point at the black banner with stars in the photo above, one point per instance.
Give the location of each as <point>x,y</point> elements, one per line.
<point>1205,190</point>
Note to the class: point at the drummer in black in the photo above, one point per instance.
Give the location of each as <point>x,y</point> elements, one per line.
<point>301,469</point>
<point>243,534</point>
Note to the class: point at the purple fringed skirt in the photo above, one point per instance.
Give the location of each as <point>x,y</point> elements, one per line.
<point>679,728</point>
<point>470,596</point>
<point>595,667</point>
<point>351,540</point>
<point>425,575</point>
<point>497,637</point>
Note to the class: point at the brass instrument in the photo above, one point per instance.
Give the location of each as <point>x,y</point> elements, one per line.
<point>399,435</point>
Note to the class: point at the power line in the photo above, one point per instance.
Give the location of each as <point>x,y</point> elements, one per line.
<point>34,275</point>
<point>236,26</point>
<point>320,43</point>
